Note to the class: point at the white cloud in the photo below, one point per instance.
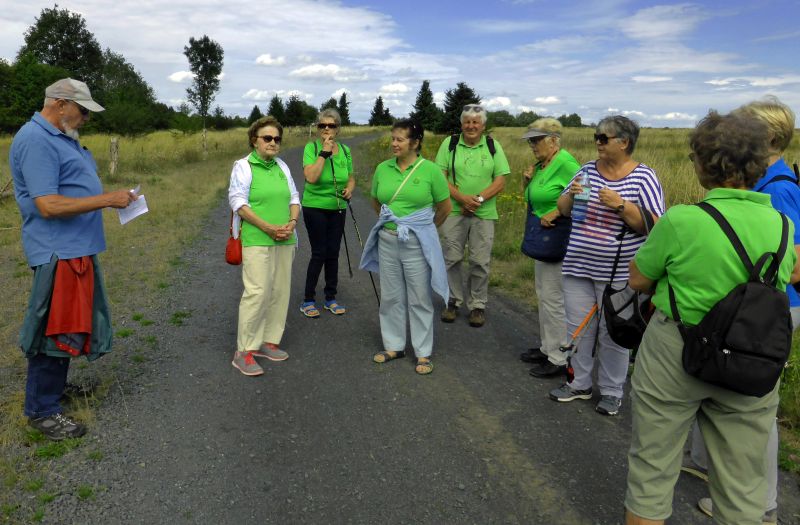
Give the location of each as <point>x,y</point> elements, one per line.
<point>611,110</point>
<point>327,72</point>
<point>547,100</point>
<point>563,45</point>
<point>648,79</point>
<point>295,93</point>
<point>756,81</point>
<point>496,103</point>
<point>438,98</point>
<point>181,76</point>
<point>502,26</point>
<point>662,22</point>
<point>675,115</point>
<point>269,60</point>
<point>257,94</point>
<point>536,109</point>
<point>396,88</point>
<point>305,58</point>
<point>338,93</point>
<point>634,113</point>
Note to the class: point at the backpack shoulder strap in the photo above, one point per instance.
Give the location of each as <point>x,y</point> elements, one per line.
<point>452,147</point>
<point>490,145</point>
<point>316,148</point>
<point>781,178</point>
<point>771,275</point>
<point>728,230</point>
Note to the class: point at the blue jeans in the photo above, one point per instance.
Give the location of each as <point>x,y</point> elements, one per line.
<point>47,377</point>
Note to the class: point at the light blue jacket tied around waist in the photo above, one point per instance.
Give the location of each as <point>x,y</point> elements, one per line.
<point>421,223</point>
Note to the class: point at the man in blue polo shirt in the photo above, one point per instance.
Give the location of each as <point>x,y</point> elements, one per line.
<point>60,197</point>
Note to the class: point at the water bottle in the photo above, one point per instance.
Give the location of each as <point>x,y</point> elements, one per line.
<point>581,202</point>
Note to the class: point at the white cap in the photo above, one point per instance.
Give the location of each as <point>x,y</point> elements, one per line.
<point>75,90</point>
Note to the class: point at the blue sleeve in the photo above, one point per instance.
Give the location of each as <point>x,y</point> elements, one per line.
<point>40,167</point>
<point>785,198</point>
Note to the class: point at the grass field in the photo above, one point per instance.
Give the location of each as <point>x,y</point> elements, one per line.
<point>181,188</point>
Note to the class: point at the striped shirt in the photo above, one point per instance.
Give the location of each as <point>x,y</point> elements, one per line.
<point>593,243</point>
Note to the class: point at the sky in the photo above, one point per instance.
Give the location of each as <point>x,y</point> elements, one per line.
<point>664,64</point>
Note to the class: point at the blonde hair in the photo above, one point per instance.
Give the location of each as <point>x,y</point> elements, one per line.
<point>778,117</point>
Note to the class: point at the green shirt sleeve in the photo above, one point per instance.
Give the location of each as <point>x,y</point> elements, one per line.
<point>654,255</point>
<point>439,187</point>
<point>374,190</point>
<point>443,155</point>
<point>501,166</point>
<point>309,157</point>
<point>349,158</point>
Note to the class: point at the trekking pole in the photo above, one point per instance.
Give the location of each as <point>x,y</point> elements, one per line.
<point>344,236</point>
<point>571,349</point>
<point>361,242</point>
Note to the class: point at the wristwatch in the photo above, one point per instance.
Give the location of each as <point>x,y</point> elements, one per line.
<point>480,198</point>
<point>620,208</point>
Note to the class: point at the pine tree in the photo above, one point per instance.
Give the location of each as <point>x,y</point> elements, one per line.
<point>276,109</point>
<point>380,115</point>
<point>330,103</point>
<point>425,110</point>
<point>254,115</point>
<point>454,102</point>
<point>344,109</point>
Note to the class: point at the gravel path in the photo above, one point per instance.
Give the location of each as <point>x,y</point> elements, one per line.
<point>330,437</point>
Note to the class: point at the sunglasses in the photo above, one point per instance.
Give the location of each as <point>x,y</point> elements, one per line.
<point>602,138</point>
<point>82,109</point>
<point>535,140</point>
<point>270,138</point>
<point>326,126</point>
<point>476,108</point>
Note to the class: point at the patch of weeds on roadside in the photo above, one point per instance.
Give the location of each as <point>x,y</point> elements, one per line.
<point>124,332</point>
<point>145,322</point>
<point>162,285</point>
<point>138,358</point>
<point>85,492</point>
<point>34,485</point>
<point>46,497</point>
<point>151,341</point>
<point>21,273</point>
<point>95,455</point>
<point>57,449</point>
<point>175,262</point>
<point>33,436</point>
<point>38,516</point>
<point>178,317</point>
<point>789,457</point>
<point>7,509</point>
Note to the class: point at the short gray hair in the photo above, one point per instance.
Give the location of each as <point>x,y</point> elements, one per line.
<point>623,128</point>
<point>474,109</point>
<point>330,113</point>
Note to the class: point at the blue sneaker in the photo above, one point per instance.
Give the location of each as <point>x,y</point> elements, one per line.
<point>335,308</point>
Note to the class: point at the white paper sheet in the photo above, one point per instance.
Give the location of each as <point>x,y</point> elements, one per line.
<point>134,209</point>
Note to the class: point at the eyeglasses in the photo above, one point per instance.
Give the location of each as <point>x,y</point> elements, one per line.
<point>475,108</point>
<point>602,138</point>
<point>270,138</point>
<point>535,140</point>
<point>328,126</point>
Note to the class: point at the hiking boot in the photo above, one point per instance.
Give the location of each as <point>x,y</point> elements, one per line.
<point>609,405</point>
<point>476,317</point>
<point>565,393</point>
<point>271,352</point>
<point>690,467</point>
<point>246,364</point>
<point>532,355</point>
<point>770,517</point>
<point>450,313</point>
<point>547,369</point>
<point>57,427</point>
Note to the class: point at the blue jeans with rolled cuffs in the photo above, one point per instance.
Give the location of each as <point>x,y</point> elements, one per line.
<point>47,377</point>
<point>406,294</point>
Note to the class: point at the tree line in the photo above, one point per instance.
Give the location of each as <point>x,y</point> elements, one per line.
<point>59,44</point>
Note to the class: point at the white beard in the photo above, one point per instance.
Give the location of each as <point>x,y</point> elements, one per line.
<point>70,132</point>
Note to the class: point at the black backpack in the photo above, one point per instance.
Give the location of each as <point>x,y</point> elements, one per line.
<point>744,341</point>
<point>452,148</point>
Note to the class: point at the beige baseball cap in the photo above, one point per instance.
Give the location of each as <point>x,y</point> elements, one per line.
<point>75,90</point>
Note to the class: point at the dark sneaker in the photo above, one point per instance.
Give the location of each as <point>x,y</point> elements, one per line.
<point>57,427</point>
<point>532,355</point>
<point>770,517</point>
<point>450,313</point>
<point>564,394</point>
<point>246,364</point>
<point>690,467</point>
<point>477,318</point>
<point>609,405</point>
<point>271,351</point>
<point>547,369</point>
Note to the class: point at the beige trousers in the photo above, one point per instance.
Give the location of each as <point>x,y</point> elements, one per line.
<point>457,232</point>
<point>267,278</point>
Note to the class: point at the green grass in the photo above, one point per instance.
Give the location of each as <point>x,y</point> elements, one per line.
<point>85,491</point>
<point>46,497</point>
<point>178,317</point>
<point>123,333</point>
<point>95,455</point>
<point>34,485</point>
<point>56,449</point>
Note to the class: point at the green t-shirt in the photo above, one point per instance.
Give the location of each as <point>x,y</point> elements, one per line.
<point>689,247</point>
<point>475,170</point>
<point>426,187</point>
<point>321,193</point>
<point>269,199</point>
<point>548,183</point>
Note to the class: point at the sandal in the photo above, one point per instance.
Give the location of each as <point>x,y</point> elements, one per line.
<point>309,309</point>
<point>424,368</point>
<point>335,308</point>
<point>386,356</point>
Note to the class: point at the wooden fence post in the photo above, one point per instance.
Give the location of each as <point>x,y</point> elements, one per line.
<point>114,155</point>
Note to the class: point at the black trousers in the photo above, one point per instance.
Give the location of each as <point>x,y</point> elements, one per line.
<point>325,229</point>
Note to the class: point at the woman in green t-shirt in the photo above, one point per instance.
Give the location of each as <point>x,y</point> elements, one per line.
<point>411,197</point>
<point>544,182</point>
<point>327,167</point>
<point>263,195</point>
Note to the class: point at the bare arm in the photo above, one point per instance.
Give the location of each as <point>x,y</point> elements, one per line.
<point>638,281</point>
<point>630,213</point>
<point>313,171</point>
<point>564,204</point>
<point>796,270</point>
<point>495,187</point>
<point>57,206</point>
<point>443,209</point>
